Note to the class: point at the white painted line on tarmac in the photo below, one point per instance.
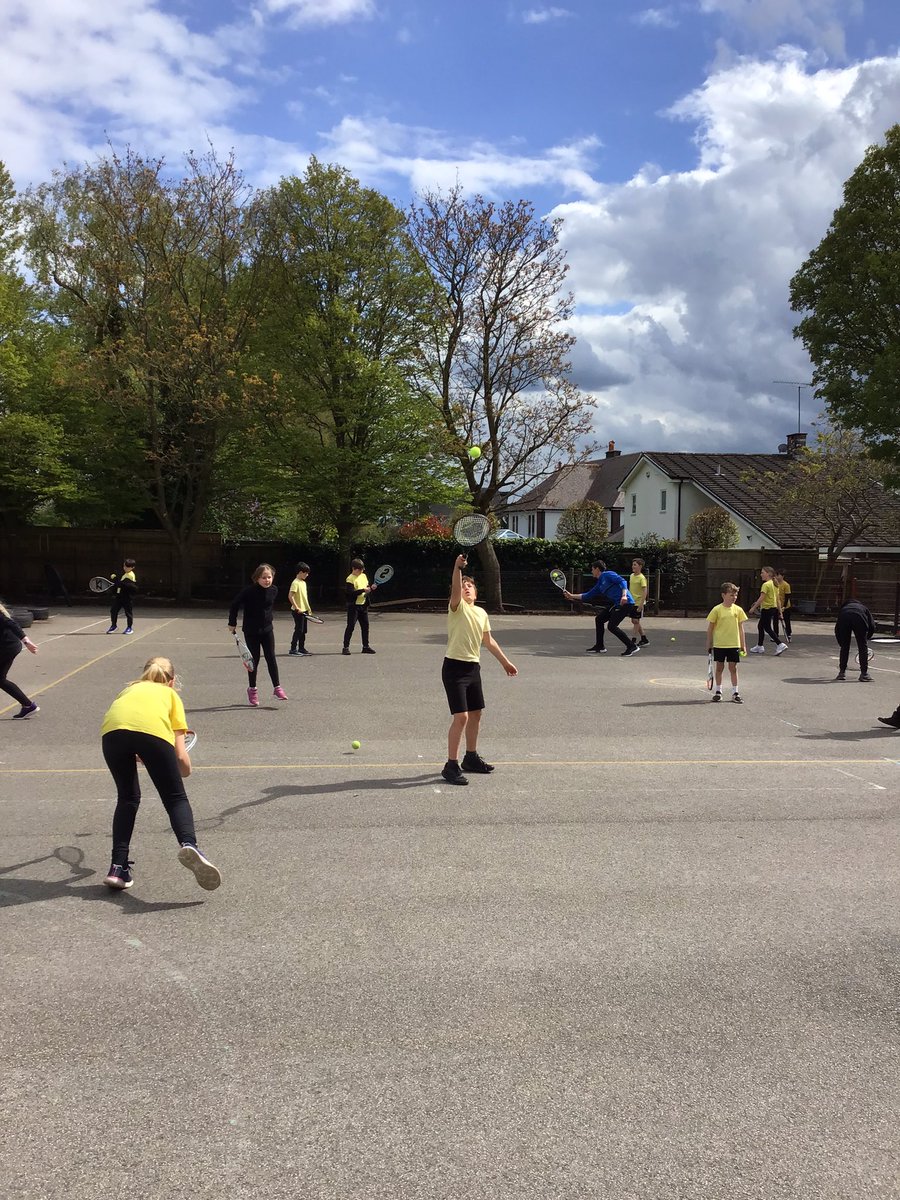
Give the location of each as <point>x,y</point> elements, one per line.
<point>850,775</point>
<point>57,636</point>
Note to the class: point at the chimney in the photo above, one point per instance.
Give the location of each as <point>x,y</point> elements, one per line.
<point>611,451</point>
<point>795,443</point>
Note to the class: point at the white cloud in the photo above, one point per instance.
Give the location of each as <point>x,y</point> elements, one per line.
<point>819,23</point>
<point>319,12</point>
<point>540,16</point>
<point>657,18</point>
<point>704,258</point>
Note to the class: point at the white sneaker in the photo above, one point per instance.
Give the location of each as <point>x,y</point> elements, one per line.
<point>757,649</point>
<point>205,873</point>
<point>781,647</point>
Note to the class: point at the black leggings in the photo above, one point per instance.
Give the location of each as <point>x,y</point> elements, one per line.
<point>122,603</point>
<point>262,643</point>
<point>298,640</point>
<point>844,631</point>
<point>357,612</point>
<point>6,686</point>
<point>767,624</point>
<point>617,615</point>
<point>121,748</point>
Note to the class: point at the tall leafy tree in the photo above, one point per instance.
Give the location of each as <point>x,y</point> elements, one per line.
<point>496,353</point>
<point>849,292</point>
<point>712,529</point>
<point>160,277</point>
<point>349,299</point>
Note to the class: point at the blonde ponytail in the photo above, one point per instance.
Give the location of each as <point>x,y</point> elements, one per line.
<point>4,612</point>
<point>157,670</point>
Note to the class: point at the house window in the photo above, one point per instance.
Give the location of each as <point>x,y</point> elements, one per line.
<point>662,500</point>
<point>531,525</point>
<point>616,519</point>
<point>633,503</point>
<point>515,524</point>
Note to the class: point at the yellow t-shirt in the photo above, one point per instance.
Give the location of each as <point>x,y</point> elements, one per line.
<point>784,594</point>
<point>146,707</point>
<point>769,597</point>
<point>465,629</point>
<point>297,596</point>
<point>727,621</point>
<point>637,585</point>
<point>359,581</point>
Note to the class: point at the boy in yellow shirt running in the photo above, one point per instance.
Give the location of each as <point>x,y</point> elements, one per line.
<point>725,638</point>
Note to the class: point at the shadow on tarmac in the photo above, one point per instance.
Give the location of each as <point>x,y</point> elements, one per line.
<point>319,789</point>
<point>853,735</point>
<point>30,891</point>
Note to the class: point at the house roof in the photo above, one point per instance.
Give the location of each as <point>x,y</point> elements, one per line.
<point>732,481</point>
<point>599,480</point>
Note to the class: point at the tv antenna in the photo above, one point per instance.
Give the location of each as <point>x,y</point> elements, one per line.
<point>799,386</point>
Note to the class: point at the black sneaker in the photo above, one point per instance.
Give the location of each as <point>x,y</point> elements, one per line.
<point>26,710</point>
<point>866,678</point>
<point>737,698</point>
<point>293,653</point>
<point>346,650</point>
<point>840,677</point>
<point>452,773</point>
<point>634,648</point>
<point>717,698</point>
<point>892,722</point>
<point>203,870</point>
<point>119,877</point>
<point>595,650</point>
<point>474,763</point>
<point>645,641</point>
<point>304,653</point>
<point>367,650</point>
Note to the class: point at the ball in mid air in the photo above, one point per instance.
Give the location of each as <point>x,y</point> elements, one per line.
<point>475,453</point>
<point>355,745</point>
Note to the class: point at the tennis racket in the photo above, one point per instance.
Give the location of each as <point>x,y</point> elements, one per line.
<point>871,656</point>
<point>190,740</point>
<point>243,651</point>
<point>315,620</point>
<point>709,671</point>
<point>558,579</point>
<point>471,529</point>
<point>100,584</point>
<point>383,575</point>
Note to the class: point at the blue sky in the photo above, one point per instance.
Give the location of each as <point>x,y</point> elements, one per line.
<point>694,151</point>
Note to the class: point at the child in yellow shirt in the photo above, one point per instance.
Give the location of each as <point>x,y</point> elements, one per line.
<point>725,638</point>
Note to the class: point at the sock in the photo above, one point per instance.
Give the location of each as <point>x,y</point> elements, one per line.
<point>718,689</point>
<point>734,691</point>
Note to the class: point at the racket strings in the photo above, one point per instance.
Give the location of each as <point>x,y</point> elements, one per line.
<point>471,529</point>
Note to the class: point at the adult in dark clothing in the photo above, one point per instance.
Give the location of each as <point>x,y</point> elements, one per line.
<point>854,620</point>
<point>257,601</point>
<point>12,638</point>
<point>611,590</point>
<point>893,720</point>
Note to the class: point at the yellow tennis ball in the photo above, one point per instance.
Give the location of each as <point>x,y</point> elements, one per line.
<point>355,745</point>
<point>671,639</point>
<point>475,453</point>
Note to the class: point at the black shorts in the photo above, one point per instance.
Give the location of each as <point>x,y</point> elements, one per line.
<point>462,683</point>
<point>638,612</point>
<point>726,654</point>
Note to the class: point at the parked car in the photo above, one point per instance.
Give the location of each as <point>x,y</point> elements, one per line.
<point>507,535</point>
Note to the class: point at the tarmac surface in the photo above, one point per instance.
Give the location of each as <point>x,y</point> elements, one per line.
<point>654,955</point>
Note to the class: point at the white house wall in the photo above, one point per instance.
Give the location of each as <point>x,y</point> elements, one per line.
<point>645,486</point>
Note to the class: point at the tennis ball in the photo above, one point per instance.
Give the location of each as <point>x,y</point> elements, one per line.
<point>355,745</point>
<point>671,639</point>
<point>475,453</point>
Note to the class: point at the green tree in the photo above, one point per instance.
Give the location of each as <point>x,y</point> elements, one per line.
<point>712,529</point>
<point>495,357</point>
<point>348,301</point>
<point>160,278</point>
<point>849,292</point>
<point>585,519</point>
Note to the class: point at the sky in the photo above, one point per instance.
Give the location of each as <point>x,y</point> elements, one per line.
<point>694,152</point>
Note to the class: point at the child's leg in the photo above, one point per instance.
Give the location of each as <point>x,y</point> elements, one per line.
<point>162,766</point>
<point>352,611</point>
<point>301,627</point>
<point>786,617</point>
<point>760,630</point>
<point>843,640</point>
<point>363,617</point>
<point>599,621</point>
<point>267,643</point>
<point>114,610</point>
<point>720,668</point>
<point>254,645</point>
<point>128,610</point>
<point>863,646</point>
<point>454,736</point>
<point>473,726</point>
<point>119,752</point>
<point>732,671</point>
<point>7,686</point>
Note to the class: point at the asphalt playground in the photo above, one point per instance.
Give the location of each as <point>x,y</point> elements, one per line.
<point>654,955</point>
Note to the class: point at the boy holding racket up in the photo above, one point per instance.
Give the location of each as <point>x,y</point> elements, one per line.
<point>725,639</point>
<point>468,629</point>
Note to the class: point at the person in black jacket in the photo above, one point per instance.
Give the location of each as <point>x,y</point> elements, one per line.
<point>854,620</point>
<point>12,639</point>
<point>257,600</point>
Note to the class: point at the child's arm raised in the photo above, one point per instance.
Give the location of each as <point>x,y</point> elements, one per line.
<point>456,582</point>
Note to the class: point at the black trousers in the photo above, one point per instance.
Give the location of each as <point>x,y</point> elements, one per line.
<point>6,685</point>
<point>298,640</point>
<point>122,603</point>
<point>357,612</point>
<point>121,749</point>
<point>767,624</point>
<point>786,622</point>
<point>617,615</point>
<point>600,619</point>
<point>262,644</point>
<point>847,628</point>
